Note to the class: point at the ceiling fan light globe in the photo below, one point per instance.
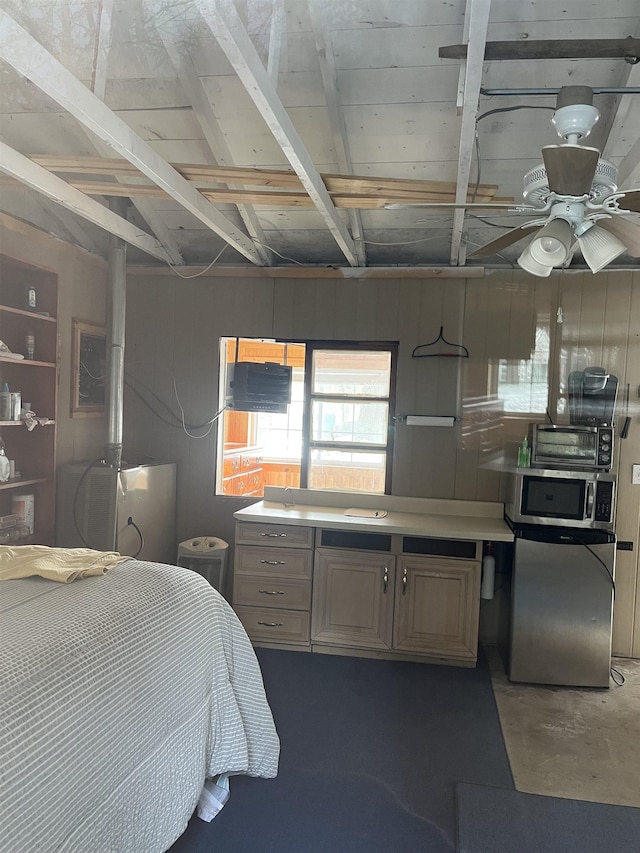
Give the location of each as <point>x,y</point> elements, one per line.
<point>575,120</point>
<point>599,247</point>
<point>530,265</point>
<point>552,245</point>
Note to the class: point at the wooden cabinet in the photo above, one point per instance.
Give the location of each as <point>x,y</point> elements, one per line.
<point>272,583</point>
<point>437,606</point>
<point>242,471</point>
<point>368,594</point>
<point>32,450</point>
<point>353,598</point>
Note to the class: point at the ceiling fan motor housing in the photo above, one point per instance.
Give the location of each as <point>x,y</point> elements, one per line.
<point>536,185</point>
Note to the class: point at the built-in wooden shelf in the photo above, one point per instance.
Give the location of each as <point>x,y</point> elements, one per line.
<point>28,361</point>
<point>23,481</point>
<point>30,314</point>
<point>19,423</point>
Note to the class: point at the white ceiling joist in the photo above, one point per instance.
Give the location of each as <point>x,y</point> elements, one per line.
<point>336,114</point>
<point>20,50</point>
<point>145,208</point>
<point>625,126</point>
<point>214,137</point>
<point>222,19</point>
<point>478,11</point>
<point>277,36</point>
<point>41,180</point>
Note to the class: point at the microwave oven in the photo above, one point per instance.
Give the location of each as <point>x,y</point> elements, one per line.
<point>562,498</point>
<point>576,446</point>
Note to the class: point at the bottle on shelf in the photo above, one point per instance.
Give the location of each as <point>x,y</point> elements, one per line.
<point>30,345</point>
<point>30,298</point>
<point>524,454</point>
<point>5,403</point>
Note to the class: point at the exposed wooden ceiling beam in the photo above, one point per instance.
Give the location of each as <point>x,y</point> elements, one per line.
<point>218,148</point>
<point>271,198</point>
<point>150,217</point>
<point>27,172</point>
<point>250,176</point>
<point>277,41</point>
<point>224,22</point>
<point>478,23</point>
<point>625,126</point>
<point>102,48</point>
<point>326,58</point>
<point>27,56</point>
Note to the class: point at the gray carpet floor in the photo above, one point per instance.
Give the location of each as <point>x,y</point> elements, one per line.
<point>497,820</point>
<point>371,753</point>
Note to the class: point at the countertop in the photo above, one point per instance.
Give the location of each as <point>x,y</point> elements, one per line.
<point>412,517</point>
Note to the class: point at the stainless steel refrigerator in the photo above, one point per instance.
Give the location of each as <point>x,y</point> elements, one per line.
<point>562,606</point>
<point>130,510</point>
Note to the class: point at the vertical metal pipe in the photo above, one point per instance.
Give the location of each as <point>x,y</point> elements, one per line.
<point>117,297</point>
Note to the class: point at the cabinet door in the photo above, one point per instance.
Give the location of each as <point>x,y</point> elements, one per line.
<point>437,606</point>
<point>352,598</point>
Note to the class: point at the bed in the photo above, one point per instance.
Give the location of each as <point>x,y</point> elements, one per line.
<point>119,695</point>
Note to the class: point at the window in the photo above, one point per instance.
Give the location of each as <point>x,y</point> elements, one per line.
<point>523,384</point>
<point>337,431</point>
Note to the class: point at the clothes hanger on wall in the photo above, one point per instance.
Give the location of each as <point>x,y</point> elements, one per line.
<point>460,351</point>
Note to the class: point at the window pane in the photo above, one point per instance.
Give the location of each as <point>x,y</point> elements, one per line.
<point>347,470</point>
<point>523,384</point>
<point>351,372</point>
<point>363,423</point>
<point>280,435</point>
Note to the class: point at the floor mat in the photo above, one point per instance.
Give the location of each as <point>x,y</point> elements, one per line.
<point>498,820</point>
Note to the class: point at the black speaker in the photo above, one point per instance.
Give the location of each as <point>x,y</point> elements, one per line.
<point>253,387</point>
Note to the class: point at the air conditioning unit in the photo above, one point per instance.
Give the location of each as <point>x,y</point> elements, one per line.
<point>96,502</point>
<point>254,387</point>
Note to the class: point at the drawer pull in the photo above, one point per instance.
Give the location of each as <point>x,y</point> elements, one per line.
<point>271,591</point>
<point>272,624</point>
<point>385,579</point>
<point>275,535</point>
<point>274,562</point>
<point>404,581</point>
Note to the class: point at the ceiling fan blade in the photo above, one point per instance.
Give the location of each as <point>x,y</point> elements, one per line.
<point>630,201</point>
<point>503,241</point>
<point>550,49</point>
<point>570,168</point>
<point>625,230</point>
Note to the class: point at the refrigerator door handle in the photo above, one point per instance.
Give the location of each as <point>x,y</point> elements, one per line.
<point>591,490</point>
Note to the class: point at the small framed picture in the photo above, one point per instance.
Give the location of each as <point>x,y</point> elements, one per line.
<point>88,369</point>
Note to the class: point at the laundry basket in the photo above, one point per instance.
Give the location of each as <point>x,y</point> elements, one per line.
<point>206,555</point>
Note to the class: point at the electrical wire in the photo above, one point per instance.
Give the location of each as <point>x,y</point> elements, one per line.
<point>179,424</point>
<point>184,426</point>
<point>202,272</point>
<point>615,675</point>
<point>591,551</point>
<point>401,242</point>
<point>132,523</point>
<point>479,159</point>
<point>284,257</point>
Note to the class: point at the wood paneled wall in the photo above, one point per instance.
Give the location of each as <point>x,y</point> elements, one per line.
<point>173,329</point>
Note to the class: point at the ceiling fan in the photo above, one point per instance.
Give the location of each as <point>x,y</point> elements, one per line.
<point>574,191</point>
<point>574,196</point>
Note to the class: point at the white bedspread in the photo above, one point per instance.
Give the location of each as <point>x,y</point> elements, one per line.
<point>119,694</point>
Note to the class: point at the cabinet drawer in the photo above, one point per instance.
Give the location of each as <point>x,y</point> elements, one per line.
<point>274,535</point>
<point>281,562</point>
<point>287,593</point>
<point>284,626</point>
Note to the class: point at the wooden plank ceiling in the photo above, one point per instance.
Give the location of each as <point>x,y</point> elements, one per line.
<point>283,129</point>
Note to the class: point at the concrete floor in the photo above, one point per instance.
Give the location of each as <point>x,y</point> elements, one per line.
<point>583,744</point>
